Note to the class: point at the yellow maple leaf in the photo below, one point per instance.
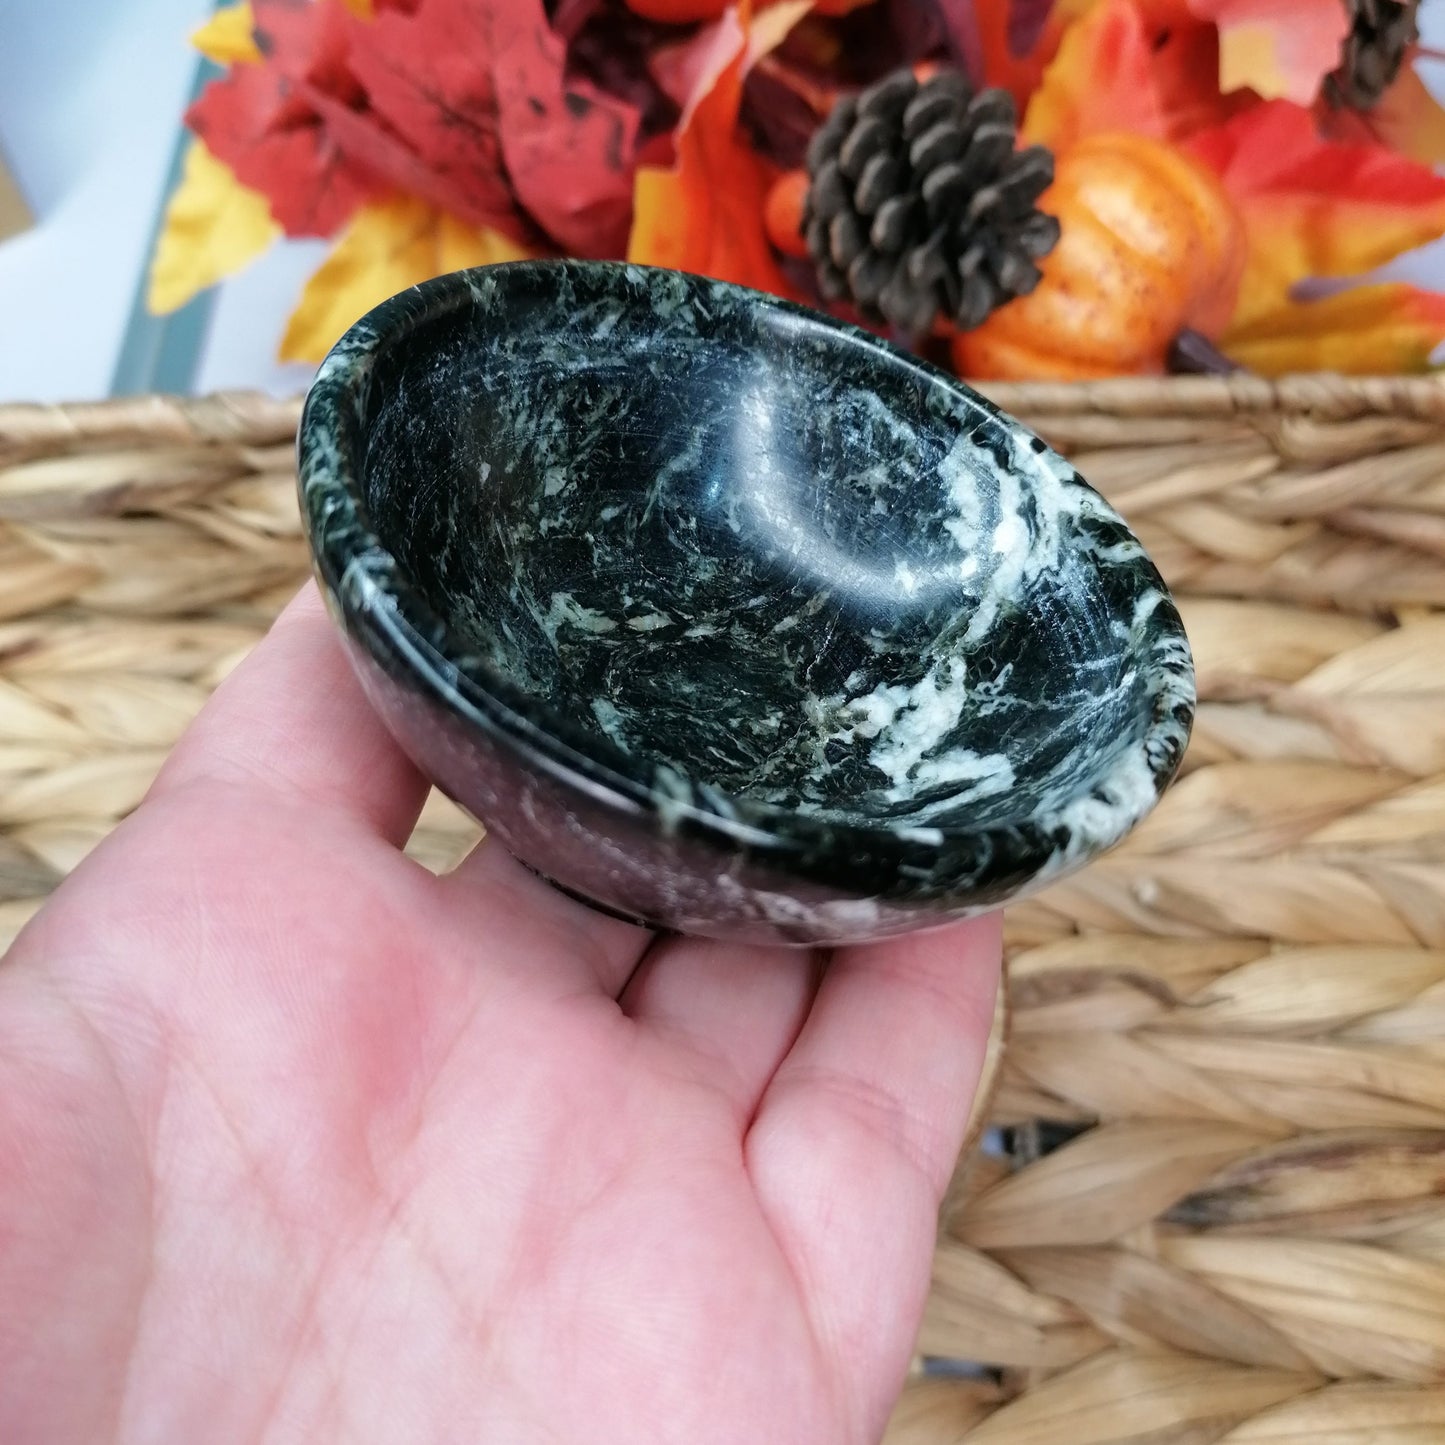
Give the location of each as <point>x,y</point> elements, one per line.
<point>227,37</point>
<point>1377,330</point>
<point>213,227</point>
<point>388,246</point>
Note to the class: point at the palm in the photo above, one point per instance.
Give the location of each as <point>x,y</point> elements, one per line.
<point>299,1142</point>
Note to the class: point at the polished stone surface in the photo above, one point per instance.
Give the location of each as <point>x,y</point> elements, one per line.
<point>726,616</point>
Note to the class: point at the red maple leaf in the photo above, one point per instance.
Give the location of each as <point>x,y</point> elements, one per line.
<point>463,103</point>
<point>570,148</point>
<point>612,47</point>
<point>306,41</point>
<point>476,91</point>
<point>275,142</point>
<point>428,78</point>
<point>262,120</point>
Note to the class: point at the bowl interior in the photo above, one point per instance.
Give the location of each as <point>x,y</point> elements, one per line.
<point>741,542</point>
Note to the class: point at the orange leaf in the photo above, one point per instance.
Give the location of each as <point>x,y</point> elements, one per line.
<point>705,214</point>
<point>1280,49</point>
<point>1146,66</point>
<point>1313,207</point>
<point>1020,74</point>
<point>1407,118</point>
<point>1370,330</point>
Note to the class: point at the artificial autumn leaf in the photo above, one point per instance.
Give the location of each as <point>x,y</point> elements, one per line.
<point>1280,49</point>
<point>1019,40</point>
<point>1026,22</point>
<point>277,146</point>
<point>835,49</point>
<point>686,12</point>
<point>677,12</point>
<point>389,246</point>
<point>705,214</point>
<point>213,227</point>
<point>568,146</point>
<point>789,92</point>
<point>612,48</point>
<point>1312,207</point>
<point>783,106</point>
<point>1368,330</point>
<point>309,42</point>
<point>226,37</point>
<point>476,90</point>
<point>1407,119</point>
<point>571,17</point>
<point>672,210</point>
<point>259,120</point>
<point>685,69</point>
<point>426,79</point>
<point>1146,66</point>
<point>960,22</point>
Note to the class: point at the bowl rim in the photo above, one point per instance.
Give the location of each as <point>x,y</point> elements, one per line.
<point>384,613</point>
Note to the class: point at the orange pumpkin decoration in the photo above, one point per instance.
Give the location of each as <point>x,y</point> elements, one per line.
<point>1150,246</point>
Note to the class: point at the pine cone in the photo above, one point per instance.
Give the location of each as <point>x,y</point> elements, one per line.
<point>1381,33</point>
<point>918,203</point>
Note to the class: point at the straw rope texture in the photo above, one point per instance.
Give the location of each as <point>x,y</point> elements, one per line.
<point>1221,1216</point>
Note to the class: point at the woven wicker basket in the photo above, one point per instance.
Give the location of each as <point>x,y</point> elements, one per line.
<point>1223,1214</point>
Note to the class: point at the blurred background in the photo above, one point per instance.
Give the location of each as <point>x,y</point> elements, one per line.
<point>91,98</point>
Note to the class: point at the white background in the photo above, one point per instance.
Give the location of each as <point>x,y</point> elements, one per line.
<point>91,95</point>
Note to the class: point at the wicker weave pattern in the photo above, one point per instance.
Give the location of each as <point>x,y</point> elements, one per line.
<point>1241,1012</point>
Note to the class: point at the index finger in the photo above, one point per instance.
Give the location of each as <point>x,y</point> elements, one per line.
<point>292,718</point>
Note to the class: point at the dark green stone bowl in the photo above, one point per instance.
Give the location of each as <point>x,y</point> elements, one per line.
<point>727,617</point>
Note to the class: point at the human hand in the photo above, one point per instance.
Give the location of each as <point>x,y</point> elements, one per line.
<point>301,1143</point>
